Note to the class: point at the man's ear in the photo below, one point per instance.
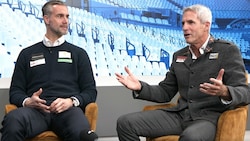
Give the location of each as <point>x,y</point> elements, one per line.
<point>46,19</point>
<point>207,25</point>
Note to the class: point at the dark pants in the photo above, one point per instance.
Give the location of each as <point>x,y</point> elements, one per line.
<point>158,123</point>
<point>24,123</point>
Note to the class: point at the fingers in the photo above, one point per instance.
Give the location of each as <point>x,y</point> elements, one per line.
<point>220,75</point>
<point>118,76</point>
<point>35,101</point>
<point>128,70</point>
<point>129,81</point>
<point>44,107</point>
<point>38,93</point>
<point>218,80</point>
<point>216,86</point>
<point>60,105</point>
<point>36,97</point>
<point>209,88</point>
<point>57,106</point>
<point>122,78</point>
<point>54,105</point>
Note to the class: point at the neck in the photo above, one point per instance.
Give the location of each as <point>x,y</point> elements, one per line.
<point>196,50</point>
<point>52,37</point>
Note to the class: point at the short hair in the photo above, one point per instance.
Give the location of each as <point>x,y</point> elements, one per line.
<point>203,12</point>
<point>46,9</point>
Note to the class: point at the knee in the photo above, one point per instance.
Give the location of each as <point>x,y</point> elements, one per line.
<point>195,136</point>
<point>123,122</point>
<point>191,137</point>
<point>10,124</point>
<point>11,119</point>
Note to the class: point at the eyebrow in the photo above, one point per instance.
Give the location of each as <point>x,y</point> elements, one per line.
<point>188,21</point>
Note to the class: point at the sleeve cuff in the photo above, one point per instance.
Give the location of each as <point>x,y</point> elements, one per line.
<point>226,102</point>
<point>25,101</point>
<point>75,101</point>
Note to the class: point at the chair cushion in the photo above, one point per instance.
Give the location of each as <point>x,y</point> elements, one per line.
<point>45,136</point>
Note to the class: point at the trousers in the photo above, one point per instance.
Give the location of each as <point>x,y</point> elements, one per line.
<point>25,122</point>
<point>158,123</point>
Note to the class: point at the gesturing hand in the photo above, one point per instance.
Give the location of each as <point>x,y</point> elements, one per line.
<point>35,101</point>
<point>216,87</point>
<point>130,81</point>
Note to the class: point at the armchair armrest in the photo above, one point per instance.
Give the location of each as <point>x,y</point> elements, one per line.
<point>91,112</point>
<point>9,107</point>
<point>232,122</point>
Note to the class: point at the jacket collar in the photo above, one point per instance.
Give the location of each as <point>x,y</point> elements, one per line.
<point>207,49</point>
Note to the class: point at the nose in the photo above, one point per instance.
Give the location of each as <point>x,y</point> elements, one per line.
<point>183,26</point>
<point>65,19</point>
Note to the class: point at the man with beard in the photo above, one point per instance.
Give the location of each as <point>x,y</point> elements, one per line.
<point>51,84</point>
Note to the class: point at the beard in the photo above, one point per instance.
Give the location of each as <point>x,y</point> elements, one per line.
<point>59,31</point>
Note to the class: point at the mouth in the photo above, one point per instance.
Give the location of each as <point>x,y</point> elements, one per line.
<point>64,27</point>
<point>187,35</point>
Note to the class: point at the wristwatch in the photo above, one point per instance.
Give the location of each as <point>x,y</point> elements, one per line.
<point>75,101</point>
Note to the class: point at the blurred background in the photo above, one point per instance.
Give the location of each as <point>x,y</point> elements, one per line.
<point>140,34</point>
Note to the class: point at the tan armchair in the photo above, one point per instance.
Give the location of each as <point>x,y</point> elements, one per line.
<point>231,124</point>
<point>91,112</point>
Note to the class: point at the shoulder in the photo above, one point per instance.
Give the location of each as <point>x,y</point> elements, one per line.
<point>38,44</point>
<point>32,48</point>
<point>184,51</point>
<point>224,44</point>
<point>76,50</point>
<point>74,47</point>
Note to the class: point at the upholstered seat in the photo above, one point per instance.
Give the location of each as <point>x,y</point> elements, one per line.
<point>91,112</point>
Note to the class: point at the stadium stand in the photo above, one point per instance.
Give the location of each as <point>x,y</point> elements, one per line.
<point>116,33</point>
